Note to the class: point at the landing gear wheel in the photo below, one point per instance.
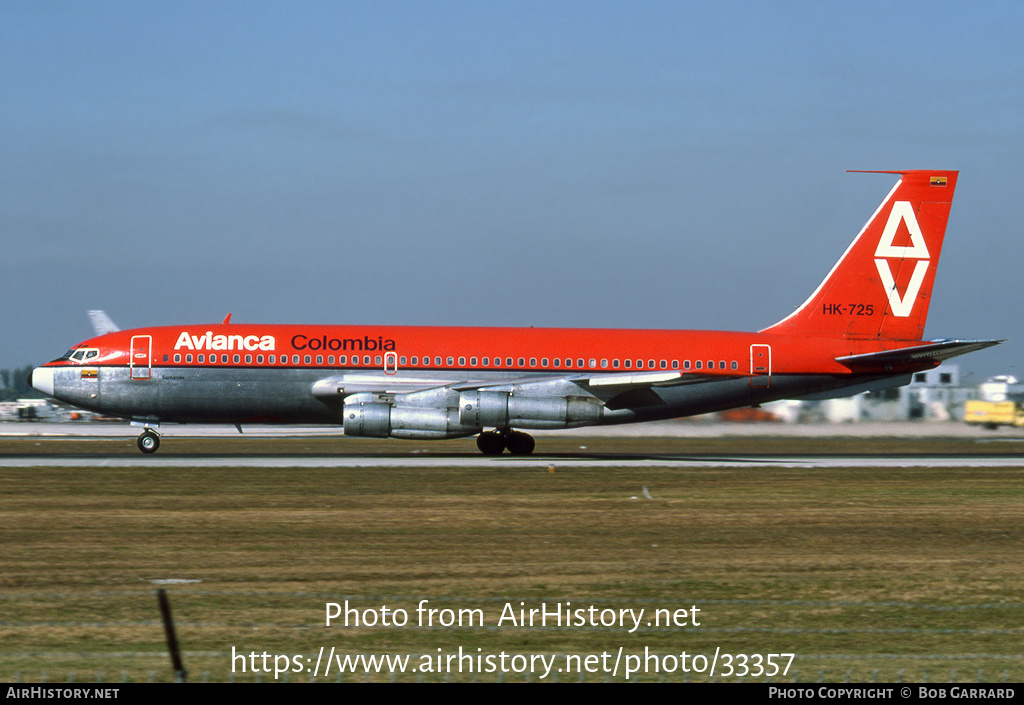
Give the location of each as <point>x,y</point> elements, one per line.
<point>490,443</point>
<point>519,443</point>
<point>148,442</point>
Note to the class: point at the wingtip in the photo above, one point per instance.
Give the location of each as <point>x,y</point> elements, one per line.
<point>101,322</point>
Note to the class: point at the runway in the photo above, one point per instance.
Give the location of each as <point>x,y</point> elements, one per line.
<point>665,445</point>
<point>552,463</point>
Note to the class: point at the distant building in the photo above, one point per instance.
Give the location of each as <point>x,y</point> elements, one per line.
<point>933,395</point>
<point>25,410</point>
<point>1001,388</point>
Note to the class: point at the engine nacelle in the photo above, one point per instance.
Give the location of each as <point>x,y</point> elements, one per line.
<point>481,409</point>
<point>364,418</point>
<point>377,419</point>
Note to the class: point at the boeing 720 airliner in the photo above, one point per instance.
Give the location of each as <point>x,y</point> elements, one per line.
<point>860,330</point>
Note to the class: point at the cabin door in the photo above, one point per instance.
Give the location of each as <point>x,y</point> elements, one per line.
<point>760,366</point>
<point>141,362</point>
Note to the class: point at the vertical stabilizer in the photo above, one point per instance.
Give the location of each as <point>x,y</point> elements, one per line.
<point>882,285</point>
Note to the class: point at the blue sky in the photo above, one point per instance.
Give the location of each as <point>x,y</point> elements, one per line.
<point>605,164</point>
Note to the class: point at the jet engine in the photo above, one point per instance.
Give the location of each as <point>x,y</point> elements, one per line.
<point>481,408</point>
<point>369,415</point>
<point>378,419</point>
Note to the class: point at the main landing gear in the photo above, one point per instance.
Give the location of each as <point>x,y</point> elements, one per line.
<point>148,441</point>
<point>495,442</point>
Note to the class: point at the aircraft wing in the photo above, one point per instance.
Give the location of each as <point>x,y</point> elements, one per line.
<point>410,381</point>
<point>637,389</point>
<point>615,390</point>
<point>933,351</point>
<point>377,383</point>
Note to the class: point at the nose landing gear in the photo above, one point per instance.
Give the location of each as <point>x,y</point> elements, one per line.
<point>148,441</point>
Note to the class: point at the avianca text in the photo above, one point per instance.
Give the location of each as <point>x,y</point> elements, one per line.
<point>209,341</point>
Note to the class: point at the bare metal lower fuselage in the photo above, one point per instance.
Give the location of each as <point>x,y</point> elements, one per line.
<point>237,396</point>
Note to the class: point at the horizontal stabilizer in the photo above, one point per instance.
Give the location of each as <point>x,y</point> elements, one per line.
<point>934,351</point>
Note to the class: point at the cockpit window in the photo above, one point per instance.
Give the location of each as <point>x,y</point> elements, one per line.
<point>83,354</point>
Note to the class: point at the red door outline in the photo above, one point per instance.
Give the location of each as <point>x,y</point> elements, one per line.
<point>760,365</point>
<point>141,359</point>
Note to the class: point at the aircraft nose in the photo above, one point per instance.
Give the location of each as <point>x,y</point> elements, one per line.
<point>41,379</point>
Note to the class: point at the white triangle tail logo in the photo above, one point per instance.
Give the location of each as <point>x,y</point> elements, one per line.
<point>902,211</point>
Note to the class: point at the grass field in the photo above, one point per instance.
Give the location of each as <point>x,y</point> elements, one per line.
<point>863,574</point>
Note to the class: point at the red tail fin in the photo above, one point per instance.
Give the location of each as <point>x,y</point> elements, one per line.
<point>882,285</point>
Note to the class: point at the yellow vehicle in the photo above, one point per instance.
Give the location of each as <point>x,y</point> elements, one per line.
<point>994,413</point>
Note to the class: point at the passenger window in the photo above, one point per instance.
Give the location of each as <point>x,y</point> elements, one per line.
<point>508,362</point>
<point>450,361</point>
<point>543,362</point>
<point>177,357</point>
<point>533,362</point>
<point>487,362</point>
<point>437,361</point>
<point>627,363</point>
<point>734,365</point>
<point>699,364</point>
<point>579,363</point>
<point>664,364</point>
<point>604,363</point>
<point>378,360</point>
<point>248,359</point>
<point>462,362</point>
